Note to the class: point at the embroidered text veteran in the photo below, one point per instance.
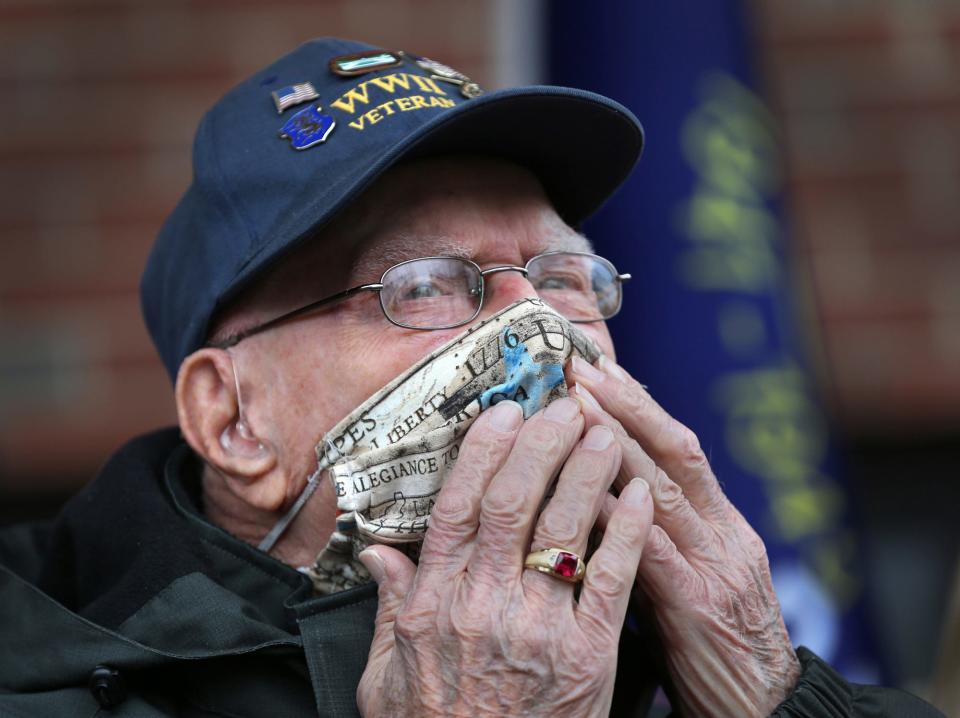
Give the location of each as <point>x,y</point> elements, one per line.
<point>357,98</point>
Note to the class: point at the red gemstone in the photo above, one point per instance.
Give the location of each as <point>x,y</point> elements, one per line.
<point>565,564</point>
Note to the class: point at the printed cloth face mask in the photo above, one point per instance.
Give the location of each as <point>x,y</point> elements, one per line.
<point>389,458</point>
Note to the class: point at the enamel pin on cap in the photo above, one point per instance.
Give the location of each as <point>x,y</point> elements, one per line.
<point>470,89</point>
<point>438,68</point>
<point>307,128</point>
<point>362,62</point>
<point>439,71</point>
<point>293,95</point>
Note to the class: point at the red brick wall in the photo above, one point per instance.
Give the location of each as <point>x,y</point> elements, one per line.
<point>868,94</point>
<point>100,102</point>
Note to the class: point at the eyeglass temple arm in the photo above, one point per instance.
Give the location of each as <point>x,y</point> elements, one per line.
<point>340,296</point>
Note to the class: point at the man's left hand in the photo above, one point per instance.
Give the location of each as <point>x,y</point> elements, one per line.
<point>704,568</point>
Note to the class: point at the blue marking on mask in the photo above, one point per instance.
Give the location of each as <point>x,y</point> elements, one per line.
<point>527,382</point>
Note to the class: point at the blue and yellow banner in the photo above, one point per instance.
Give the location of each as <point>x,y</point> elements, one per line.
<point>708,321</point>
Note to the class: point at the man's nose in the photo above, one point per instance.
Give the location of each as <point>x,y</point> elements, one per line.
<point>503,288</point>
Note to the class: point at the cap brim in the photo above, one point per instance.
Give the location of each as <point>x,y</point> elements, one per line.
<point>580,145</point>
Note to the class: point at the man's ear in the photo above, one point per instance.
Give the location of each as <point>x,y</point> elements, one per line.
<point>208,411</point>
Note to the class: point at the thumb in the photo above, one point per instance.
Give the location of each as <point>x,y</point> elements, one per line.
<point>394,574</point>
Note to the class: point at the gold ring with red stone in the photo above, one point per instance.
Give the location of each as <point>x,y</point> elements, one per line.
<point>558,562</point>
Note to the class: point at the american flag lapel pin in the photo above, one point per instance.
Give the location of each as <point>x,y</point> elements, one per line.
<point>293,95</point>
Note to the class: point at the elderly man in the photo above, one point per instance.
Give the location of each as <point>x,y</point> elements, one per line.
<point>381,319</point>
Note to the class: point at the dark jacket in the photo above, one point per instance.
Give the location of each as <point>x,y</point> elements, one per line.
<point>132,604</point>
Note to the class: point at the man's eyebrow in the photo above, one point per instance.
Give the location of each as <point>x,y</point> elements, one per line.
<point>566,242</point>
<point>374,261</point>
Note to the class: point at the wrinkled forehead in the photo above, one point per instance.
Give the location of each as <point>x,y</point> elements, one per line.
<point>483,210</point>
<point>392,249</point>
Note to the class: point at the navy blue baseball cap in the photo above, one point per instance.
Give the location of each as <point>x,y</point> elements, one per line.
<point>285,151</point>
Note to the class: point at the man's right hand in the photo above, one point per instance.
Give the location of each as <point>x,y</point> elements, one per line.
<point>469,632</point>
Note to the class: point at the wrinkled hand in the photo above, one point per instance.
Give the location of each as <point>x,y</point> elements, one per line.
<point>704,568</point>
<point>470,632</point>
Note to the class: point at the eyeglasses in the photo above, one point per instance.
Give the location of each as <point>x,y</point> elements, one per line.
<point>445,292</point>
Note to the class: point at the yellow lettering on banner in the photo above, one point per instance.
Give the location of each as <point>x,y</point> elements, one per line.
<point>404,103</point>
<point>419,102</point>
<point>775,432</point>
<point>373,116</point>
<point>358,123</point>
<point>730,268</point>
<point>832,560</point>
<point>387,107</point>
<point>730,144</point>
<point>803,511</point>
<point>773,428</point>
<point>714,216</point>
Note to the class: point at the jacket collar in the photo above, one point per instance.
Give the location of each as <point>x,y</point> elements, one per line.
<point>130,566</point>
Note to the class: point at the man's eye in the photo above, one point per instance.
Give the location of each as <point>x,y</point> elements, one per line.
<point>424,290</point>
<point>553,283</point>
<point>561,282</point>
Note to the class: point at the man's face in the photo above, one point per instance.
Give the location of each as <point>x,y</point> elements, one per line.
<point>303,376</point>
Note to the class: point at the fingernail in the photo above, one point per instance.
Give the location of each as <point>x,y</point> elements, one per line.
<point>506,416</point>
<point>585,369</point>
<point>374,564</point>
<point>598,438</point>
<point>637,492</point>
<point>562,411</point>
<point>587,396</point>
<point>614,369</point>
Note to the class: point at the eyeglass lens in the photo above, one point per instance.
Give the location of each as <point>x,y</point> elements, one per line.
<point>441,292</point>
<point>431,293</point>
<point>581,287</point>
